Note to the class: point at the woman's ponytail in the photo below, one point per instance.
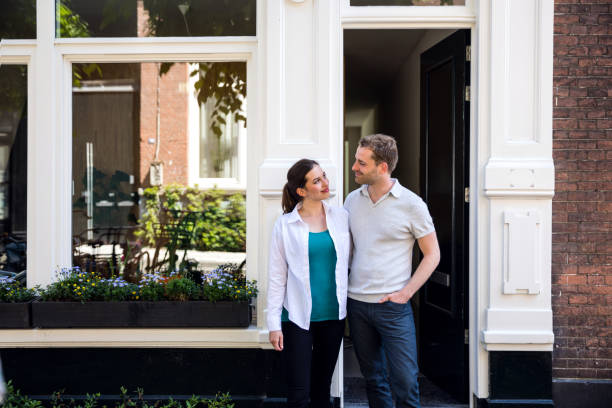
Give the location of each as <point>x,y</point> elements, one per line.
<point>289,200</point>
<point>296,178</point>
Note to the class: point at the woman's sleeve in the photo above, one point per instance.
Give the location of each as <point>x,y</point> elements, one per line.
<point>277,278</point>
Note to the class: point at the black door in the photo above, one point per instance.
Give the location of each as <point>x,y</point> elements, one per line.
<point>444,177</point>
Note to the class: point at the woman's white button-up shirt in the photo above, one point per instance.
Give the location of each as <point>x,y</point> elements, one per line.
<point>289,269</point>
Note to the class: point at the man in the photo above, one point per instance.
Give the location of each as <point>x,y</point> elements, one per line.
<point>385,220</point>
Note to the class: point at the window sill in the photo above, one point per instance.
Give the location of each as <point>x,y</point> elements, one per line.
<point>250,337</point>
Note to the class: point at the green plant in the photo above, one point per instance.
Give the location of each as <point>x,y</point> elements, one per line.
<point>74,284</point>
<point>220,401</point>
<point>228,282</point>
<point>12,291</point>
<point>180,288</point>
<point>14,399</point>
<point>181,218</point>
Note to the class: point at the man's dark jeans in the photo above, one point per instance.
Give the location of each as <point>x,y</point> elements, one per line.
<point>385,342</point>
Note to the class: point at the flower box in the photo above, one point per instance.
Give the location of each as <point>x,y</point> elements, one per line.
<point>141,314</point>
<point>15,315</point>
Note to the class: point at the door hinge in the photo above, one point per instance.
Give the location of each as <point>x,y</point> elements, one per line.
<point>466,336</point>
<point>467,93</point>
<point>466,196</point>
<point>468,53</point>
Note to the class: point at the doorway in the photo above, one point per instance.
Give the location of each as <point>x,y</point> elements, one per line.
<point>413,84</point>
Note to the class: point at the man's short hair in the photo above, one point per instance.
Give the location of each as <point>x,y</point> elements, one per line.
<point>384,149</point>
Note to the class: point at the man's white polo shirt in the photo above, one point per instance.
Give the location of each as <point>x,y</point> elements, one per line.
<point>289,268</point>
<point>383,237</point>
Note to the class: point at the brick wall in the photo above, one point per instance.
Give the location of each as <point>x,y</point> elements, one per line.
<point>173,122</point>
<point>582,206</point>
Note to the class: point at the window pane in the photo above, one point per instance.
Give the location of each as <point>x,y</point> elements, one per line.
<point>218,151</point>
<point>407,2</point>
<point>13,170</point>
<point>140,133</point>
<point>17,19</point>
<point>155,18</point>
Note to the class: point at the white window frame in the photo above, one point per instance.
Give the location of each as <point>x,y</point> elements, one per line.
<point>400,16</point>
<point>49,212</point>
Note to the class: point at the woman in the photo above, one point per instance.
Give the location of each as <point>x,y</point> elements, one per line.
<point>307,281</point>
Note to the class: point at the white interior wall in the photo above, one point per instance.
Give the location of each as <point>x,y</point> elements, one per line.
<point>365,120</point>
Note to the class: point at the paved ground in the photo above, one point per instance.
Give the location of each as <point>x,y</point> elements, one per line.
<point>354,387</point>
<point>365,404</point>
<point>431,396</point>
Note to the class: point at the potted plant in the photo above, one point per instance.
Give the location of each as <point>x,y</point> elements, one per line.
<point>15,303</point>
<point>82,299</point>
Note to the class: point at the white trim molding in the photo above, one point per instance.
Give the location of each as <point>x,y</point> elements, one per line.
<point>251,337</point>
<point>526,178</point>
<point>400,16</point>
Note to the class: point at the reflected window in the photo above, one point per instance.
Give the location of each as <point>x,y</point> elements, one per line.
<point>17,19</point>
<point>407,2</point>
<point>217,131</point>
<point>218,152</point>
<point>13,170</point>
<point>155,18</point>
<point>135,207</point>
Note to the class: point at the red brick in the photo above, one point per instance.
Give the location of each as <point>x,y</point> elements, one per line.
<point>578,300</point>
<point>582,205</point>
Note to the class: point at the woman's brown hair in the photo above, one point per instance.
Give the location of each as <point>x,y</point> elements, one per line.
<point>296,178</point>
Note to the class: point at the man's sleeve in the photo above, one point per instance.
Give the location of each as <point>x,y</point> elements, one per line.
<point>421,222</point>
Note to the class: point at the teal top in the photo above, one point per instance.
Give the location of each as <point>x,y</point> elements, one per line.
<point>322,261</point>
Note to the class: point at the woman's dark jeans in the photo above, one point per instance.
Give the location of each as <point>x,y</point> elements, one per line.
<point>309,358</point>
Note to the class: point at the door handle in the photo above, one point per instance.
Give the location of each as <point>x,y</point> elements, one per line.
<point>440,278</point>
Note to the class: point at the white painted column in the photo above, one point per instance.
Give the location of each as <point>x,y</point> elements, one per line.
<point>43,159</point>
<point>303,109</point>
<point>516,176</point>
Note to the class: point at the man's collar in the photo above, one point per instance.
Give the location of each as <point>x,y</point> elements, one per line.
<point>396,190</point>
<point>364,190</point>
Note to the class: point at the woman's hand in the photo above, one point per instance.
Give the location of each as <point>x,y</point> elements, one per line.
<point>276,339</point>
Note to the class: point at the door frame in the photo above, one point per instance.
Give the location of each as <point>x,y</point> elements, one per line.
<point>437,17</point>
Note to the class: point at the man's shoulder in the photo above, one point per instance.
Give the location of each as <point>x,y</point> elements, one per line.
<point>353,193</point>
<point>350,198</point>
<point>408,196</point>
<point>338,211</point>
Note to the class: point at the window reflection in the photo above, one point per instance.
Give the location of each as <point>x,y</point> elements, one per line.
<point>13,170</point>
<point>135,206</point>
<point>155,18</point>
<point>17,19</point>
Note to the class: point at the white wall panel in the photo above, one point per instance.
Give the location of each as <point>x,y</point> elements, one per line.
<point>518,182</point>
<point>299,76</point>
<point>519,60</point>
<point>522,249</point>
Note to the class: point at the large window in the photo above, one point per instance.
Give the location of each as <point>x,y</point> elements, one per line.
<point>134,129</point>
<point>155,18</point>
<point>13,170</point>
